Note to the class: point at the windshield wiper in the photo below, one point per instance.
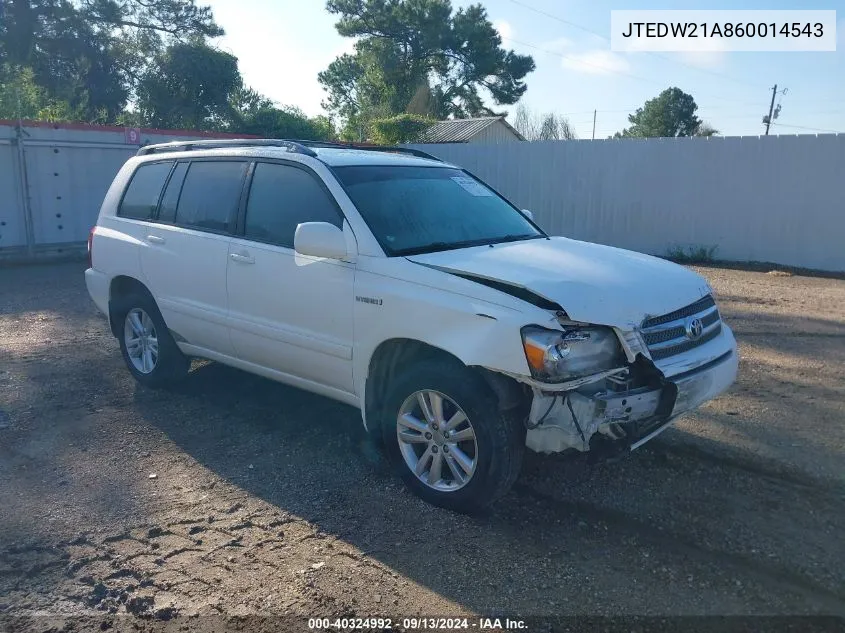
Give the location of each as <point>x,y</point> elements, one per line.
<point>440,246</point>
<point>514,237</point>
<point>447,246</point>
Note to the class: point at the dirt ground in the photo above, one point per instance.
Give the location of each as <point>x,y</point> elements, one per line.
<point>233,495</point>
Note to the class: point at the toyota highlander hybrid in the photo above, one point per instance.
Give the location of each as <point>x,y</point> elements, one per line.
<point>404,286</point>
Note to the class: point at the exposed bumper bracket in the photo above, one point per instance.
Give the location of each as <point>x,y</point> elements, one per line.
<point>569,420</point>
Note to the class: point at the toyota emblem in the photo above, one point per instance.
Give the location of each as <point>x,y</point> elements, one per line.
<point>694,327</point>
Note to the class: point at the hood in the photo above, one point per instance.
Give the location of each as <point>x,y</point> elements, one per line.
<point>591,282</point>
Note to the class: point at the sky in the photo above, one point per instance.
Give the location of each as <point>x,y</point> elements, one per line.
<point>281,45</point>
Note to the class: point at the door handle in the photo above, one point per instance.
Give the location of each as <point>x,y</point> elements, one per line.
<point>155,239</point>
<point>242,258</point>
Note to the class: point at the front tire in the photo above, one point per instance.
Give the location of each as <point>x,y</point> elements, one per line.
<point>447,439</point>
<point>148,349</point>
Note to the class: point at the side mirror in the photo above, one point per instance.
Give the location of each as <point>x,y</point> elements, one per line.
<point>320,239</point>
<point>528,214</point>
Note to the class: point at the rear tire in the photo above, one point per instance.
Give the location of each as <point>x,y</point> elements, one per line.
<point>479,449</point>
<point>148,349</point>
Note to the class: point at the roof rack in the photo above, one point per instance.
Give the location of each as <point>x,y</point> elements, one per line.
<point>295,147</point>
<point>370,148</point>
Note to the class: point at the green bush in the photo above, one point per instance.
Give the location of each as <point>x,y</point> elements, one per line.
<point>402,128</point>
<point>692,254</point>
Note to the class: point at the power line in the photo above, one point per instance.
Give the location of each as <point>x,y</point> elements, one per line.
<point>701,109</point>
<point>608,69</point>
<point>803,127</point>
<point>757,115</point>
<point>604,37</point>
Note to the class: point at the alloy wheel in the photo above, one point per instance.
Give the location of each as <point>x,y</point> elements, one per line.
<point>140,337</point>
<point>437,440</point>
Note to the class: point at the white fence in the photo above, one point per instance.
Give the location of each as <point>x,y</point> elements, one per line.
<point>774,199</point>
<point>777,199</point>
<point>53,179</point>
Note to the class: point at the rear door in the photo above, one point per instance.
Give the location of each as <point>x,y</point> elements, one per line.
<point>186,250</point>
<point>290,312</point>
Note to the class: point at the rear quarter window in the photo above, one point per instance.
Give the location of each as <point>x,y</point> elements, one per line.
<point>141,197</point>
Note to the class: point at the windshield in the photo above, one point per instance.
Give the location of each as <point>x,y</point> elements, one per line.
<point>413,210</point>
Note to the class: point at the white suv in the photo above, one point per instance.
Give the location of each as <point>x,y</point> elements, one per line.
<point>406,287</point>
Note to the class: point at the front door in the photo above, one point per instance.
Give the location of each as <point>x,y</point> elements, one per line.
<point>289,312</point>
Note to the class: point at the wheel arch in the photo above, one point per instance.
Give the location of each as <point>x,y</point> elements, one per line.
<point>122,286</point>
<point>392,353</point>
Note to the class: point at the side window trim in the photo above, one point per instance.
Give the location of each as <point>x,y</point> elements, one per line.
<point>233,215</point>
<point>160,193</point>
<point>157,218</point>
<point>241,221</point>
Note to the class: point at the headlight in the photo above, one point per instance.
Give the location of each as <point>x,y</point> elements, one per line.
<point>556,356</point>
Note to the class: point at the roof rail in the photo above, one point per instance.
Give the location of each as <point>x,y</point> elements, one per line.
<point>371,148</point>
<point>294,147</point>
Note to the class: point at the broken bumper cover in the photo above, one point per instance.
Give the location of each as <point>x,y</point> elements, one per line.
<point>704,383</point>
<point>695,388</point>
<point>578,420</point>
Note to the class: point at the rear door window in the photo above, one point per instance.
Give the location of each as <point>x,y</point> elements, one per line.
<point>142,195</point>
<point>210,195</point>
<point>280,198</point>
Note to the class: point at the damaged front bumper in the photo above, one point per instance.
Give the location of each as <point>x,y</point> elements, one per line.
<point>620,410</point>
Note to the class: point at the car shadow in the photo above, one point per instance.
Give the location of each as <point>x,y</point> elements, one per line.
<point>566,520</point>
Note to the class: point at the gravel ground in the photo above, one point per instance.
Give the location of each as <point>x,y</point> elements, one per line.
<point>233,495</point>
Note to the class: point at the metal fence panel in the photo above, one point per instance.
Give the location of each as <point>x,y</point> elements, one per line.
<point>776,199</point>
<point>67,185</point>
<point>68,169</point>
<point>12,223</point>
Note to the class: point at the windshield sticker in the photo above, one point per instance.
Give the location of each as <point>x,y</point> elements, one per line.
<point>472,186</point>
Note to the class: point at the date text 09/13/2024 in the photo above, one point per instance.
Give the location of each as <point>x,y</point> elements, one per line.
<point>417,624</point>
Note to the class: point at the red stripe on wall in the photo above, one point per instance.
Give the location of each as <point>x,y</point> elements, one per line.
<point>115,128</point>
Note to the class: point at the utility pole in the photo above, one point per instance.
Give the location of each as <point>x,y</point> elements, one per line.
<point>773,111</point>
<point>768,119</point>
<point>594,125</point>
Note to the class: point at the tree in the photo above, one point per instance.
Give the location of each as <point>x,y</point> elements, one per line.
<point>542,127</point>
<point>189,86</point>
<point>406,44</point>
<point>68,58</point>
<point>422,103</point>
<point>92,53</point>
<point>254,114</point>
<point>179,19</point>
<point>705,129</point>
<point>22,98</point>
<point>671,113</point>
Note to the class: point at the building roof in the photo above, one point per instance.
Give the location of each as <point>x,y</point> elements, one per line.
<point>462,130</point>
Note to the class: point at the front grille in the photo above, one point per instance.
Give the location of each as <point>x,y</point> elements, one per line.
<point>666,335</point>
<point>699,306</point>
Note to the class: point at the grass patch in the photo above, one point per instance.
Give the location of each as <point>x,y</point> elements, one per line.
<point>692,254</point>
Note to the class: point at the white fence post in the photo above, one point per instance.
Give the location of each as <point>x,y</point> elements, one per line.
<point>23,184</point>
